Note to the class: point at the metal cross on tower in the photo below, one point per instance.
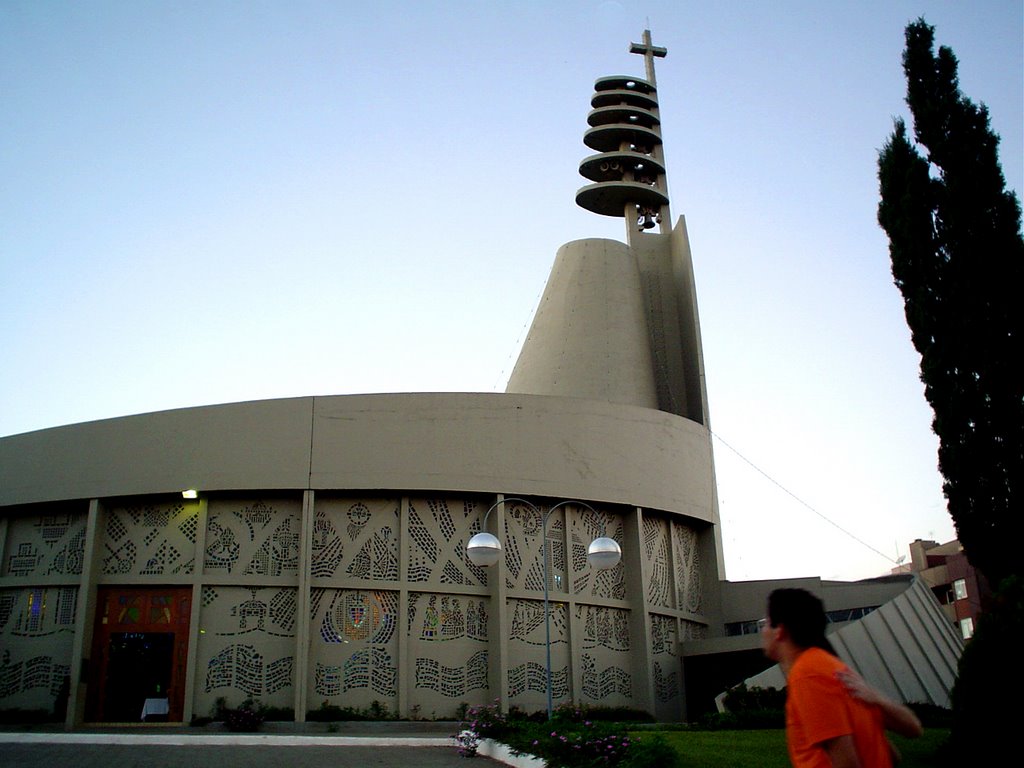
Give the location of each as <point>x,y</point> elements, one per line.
<point>649,52</point>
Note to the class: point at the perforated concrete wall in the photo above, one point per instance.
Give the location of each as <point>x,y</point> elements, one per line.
<point>306,600</point>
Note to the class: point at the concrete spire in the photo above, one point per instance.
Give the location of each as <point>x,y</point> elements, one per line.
<point>618,321</point>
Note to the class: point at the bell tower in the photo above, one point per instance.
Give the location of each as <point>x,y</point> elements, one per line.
<point>628,171</point>
<point>618,321</point>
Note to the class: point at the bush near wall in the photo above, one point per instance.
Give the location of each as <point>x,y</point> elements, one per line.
<point>749,708</point>
<point>575,737</point>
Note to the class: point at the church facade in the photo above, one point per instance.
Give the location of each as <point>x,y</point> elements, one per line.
<point>324,559</point>
<point>320,560</point>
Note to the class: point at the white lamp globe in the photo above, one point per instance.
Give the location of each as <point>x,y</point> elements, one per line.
<point>603,553</point>
<point>484,549</point>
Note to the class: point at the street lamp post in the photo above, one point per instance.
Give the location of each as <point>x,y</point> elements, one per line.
<point>484,549</point>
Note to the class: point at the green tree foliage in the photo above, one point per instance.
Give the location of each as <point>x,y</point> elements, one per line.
<point>958,259</point>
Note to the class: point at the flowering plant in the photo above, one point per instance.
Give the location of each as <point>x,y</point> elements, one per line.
<point>488,721</point>
<point>581,746</point>
<point>466,741</point>
<point>575,737</point>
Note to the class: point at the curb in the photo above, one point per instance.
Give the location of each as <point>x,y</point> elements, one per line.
<point>226,740</point>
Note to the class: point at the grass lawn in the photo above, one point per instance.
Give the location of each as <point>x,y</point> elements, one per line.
<point>767,749</point>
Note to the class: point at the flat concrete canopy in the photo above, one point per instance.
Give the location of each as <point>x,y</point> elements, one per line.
<point>609,198</point>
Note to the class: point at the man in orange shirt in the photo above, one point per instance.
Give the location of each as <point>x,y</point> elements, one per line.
<point>833,718</point>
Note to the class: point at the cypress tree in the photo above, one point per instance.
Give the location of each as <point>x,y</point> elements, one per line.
<point>958,259</point>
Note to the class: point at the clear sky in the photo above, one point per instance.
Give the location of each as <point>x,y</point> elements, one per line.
<point>213,202</point>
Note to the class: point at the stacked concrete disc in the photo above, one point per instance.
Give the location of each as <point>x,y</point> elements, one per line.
<point>628,171</point>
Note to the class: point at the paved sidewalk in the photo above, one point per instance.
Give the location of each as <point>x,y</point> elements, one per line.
<point>279,745</point>
<point>50,755</point>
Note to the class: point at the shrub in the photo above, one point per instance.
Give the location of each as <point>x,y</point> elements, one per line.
<point>651,752</point>
<point>575,737</point>
<point>743,699</point>
<point>574,714</point>
<point>932,715</point>
<point>488,721</point>
<point>749,708</point>
<point>571,745</point>
<point>754,719</point>
<point>331,713</point>
<point>248,718</point>
<point>25,716</point>
<point>278,714</point>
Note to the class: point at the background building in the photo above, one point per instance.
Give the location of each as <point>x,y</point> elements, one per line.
<point>959,588</point>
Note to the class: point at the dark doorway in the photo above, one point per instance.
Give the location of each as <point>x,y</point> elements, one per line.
<point>139,655</point>
<point>138,668</point>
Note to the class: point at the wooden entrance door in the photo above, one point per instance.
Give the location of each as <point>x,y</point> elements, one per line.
<point>139,652</point>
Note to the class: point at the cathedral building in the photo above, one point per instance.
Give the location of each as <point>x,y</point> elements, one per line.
<point>312,552</point>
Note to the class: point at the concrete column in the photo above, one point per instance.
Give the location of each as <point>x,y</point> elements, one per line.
<point>302,618</point>
<point>500,626</point>
<point>405,663</point>
<point>640,617</point>
<point>194,614</point>
<point>85,617</point>
<point>679,603</point>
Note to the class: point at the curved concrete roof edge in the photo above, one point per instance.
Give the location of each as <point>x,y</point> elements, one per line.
<point>472,442</point>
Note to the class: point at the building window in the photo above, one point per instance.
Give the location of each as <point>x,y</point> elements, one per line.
<point>736,628</point>
<point>967,628</point>
<point>849,614</point>
<point>960,589</point>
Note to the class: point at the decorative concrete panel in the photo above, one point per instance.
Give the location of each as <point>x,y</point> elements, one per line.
<point>356,538</point>
<point>585,525</point>
<point>689,585</point>
<point>150,539</point>
<point>37,627</point>
<point>605,662</point>
<point>667,669</point>
<point>353,660</point>
<point>439,529</point>
<point>253,537</point>
<point>657,557</point>
<point>43,545</point>
<point>526,645</point>
<point>246,646</point>
<point>448,642</point>
<point>692,630</point>
<point>524,548</point>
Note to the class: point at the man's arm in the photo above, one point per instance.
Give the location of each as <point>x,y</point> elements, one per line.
<point>842,752</point>
<point>895,716</point>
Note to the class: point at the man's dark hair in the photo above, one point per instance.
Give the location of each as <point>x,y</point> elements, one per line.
<point>803,616</point>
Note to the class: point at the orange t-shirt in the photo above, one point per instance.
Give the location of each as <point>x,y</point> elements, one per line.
<point>818,708</point>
